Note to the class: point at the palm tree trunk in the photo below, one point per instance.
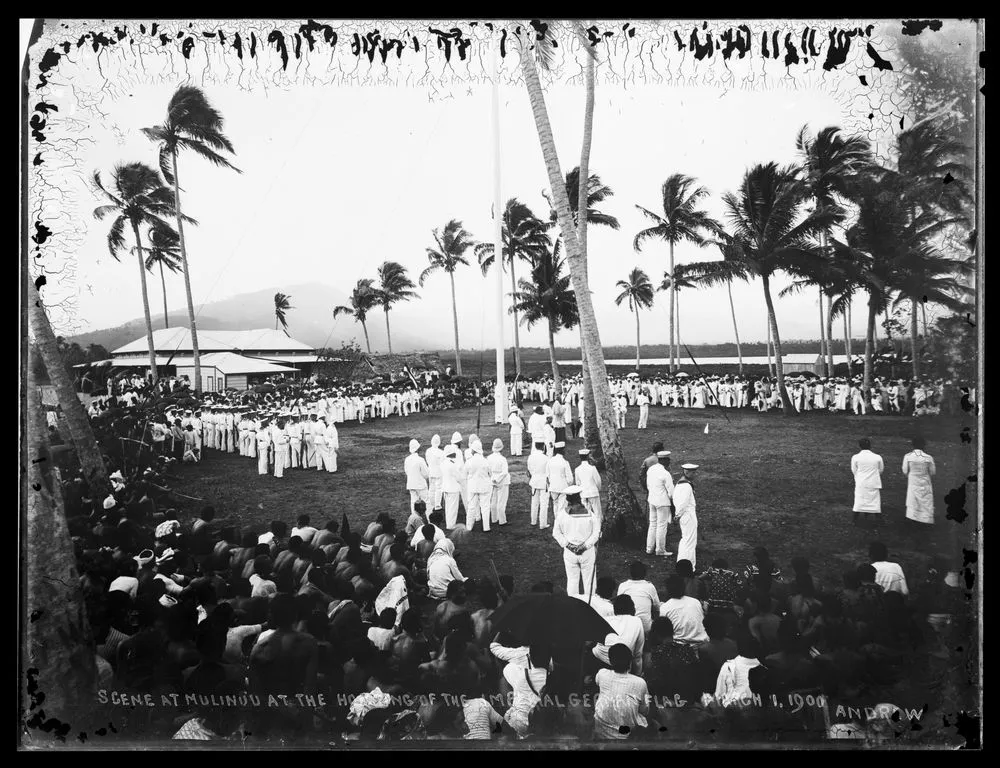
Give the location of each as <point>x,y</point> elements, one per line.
<point>81,434</point>
<point>637,360</point>
<point>770,365</point>
<point>786,402</point>
<point>145,303</point>
<point>847,341</point>
<point>187,279</point>
<point>591,408</point>
<point>822,335</point>
<point>163,284</point>
<point>454,315</point>
<point>673,299</point>
<point>914,350</point>
<point>59,647</point>
<point>923,311</point>
<point>517,335</point>
<point>831,365</point>
<point>388,335</point>
<point>623,514</point>
<point>736,330</point>
<point>870,341</point>
<point>557,380</point>
<point>677,312</point>
<point>368,344</point>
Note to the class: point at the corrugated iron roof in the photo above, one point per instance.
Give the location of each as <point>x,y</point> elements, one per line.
<point>179,340</point>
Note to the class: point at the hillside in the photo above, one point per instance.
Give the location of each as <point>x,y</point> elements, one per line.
<point>310,320</point>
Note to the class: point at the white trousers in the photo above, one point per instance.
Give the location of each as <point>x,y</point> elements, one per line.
<point>656,536</point>
<point>579,567</point>
<point>451,509</point>
<point>280,460</point>
<point>498,504</point>
<point>558,504</point>
<point>296,453</point>
<point>689,538</point>
<point>262,460</point>
<point>516,442</point>
<point>318,452</point>
<point>418,495</point>
<point>478,509</point>
<point>434,491</point>
<point>643,416</point>
<point>540,507</point>
<point>330,459</point>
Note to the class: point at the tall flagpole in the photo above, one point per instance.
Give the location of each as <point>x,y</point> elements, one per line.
<point>500,397</point>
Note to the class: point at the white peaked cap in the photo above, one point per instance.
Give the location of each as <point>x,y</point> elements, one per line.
<point>663,454</point>
<point>456,438</point>
<point>560,444</point>
<point>573,489</point>
<point>414,445</point>
<point>436,440</point>
<point>689,466</point>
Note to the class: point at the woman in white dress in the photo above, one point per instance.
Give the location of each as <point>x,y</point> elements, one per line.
<point>699,395</point>
<point>919,468</point>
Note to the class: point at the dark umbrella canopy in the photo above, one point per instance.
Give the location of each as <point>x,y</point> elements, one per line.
<point>551,619</point>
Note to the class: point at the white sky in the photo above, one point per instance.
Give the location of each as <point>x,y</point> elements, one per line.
<point>336,180</point>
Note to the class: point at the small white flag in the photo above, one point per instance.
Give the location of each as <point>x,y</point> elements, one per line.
<point>706,429</point>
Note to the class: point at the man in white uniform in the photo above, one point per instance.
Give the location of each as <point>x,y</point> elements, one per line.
<point>417,474</point>
<point>279,439</point>
<point>643,401</point>
<point>480,480</point>
<point>577,532</point>
<point>536,426</point>
<point>867,468</point>
<point>516,432</point>
<point>660,489</point>
<point>451,488</point>
<point>434,456</point>
<point>456,440</point>
<point>684,510</point>
<point>559,476</point>
<point>589,480</point>
<point>500,474</point>
<point>318,434</point>
<point>294,430</point>
<point>331,447</point>
<point>538,482</point>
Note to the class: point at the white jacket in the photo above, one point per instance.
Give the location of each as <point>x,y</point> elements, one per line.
<point>559,474</point>
<point>416,472</point>
<point>660,486</point>
<point>538,464</point>
<point>434,458</point>
<point>450,474</point>
<point>479,476</point>
<point>867,468</point>
<point>499,470</point>
<point>589,480</point>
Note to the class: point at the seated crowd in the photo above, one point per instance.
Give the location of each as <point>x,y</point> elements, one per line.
<point>376,633</point>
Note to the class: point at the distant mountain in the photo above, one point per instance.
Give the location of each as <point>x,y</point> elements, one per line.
<point>310,320</point>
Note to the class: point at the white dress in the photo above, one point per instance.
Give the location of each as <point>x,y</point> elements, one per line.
<point>919,469</point>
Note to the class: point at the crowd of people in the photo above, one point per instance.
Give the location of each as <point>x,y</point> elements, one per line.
<point>320,629</point>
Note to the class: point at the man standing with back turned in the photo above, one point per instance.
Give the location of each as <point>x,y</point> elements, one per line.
<point>867,467</point>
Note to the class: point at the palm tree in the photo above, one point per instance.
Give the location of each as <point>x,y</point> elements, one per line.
<point>678,282</point>
<point>363,299</point>
<point>766,240</point>
<point>523,237</point>
<point>164,251</point>
<point>830,162</point>
<point>681,220</point>
<point>452,243</point>
<point>548,296</point>
<point>729,269</point>
<point>623,510</point>
<point>282,303</point>
<point>394,286</point>
<point>137,199</point>
<point>192,123</point>
<point>638,292</point>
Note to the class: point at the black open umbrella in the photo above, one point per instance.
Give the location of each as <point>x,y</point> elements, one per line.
<point>540,617</point>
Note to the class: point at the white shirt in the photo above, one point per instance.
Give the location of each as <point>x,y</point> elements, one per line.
<point>538,464</point>
<point>733,683</point>
<point>576,530</point>
<point>419,536</point>
<point>645,599</point>
<point>683,498</point>
<point>603,607</point>
<point>499,469</point>
<point>628,631</point>
<point>867,468</point>
<point>479,475</point>
<point>536,427</point>
<point>451,472</point>
<point>434,457</point>
<point>589,480</point>
<point>416,472</point>
<point>890,577</point>
<point>659,486</point>
<point>688,618</point>
<point>558,474</point>
<point>618,701</point>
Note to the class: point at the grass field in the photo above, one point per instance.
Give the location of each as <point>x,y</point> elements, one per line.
<point>765,480</point>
